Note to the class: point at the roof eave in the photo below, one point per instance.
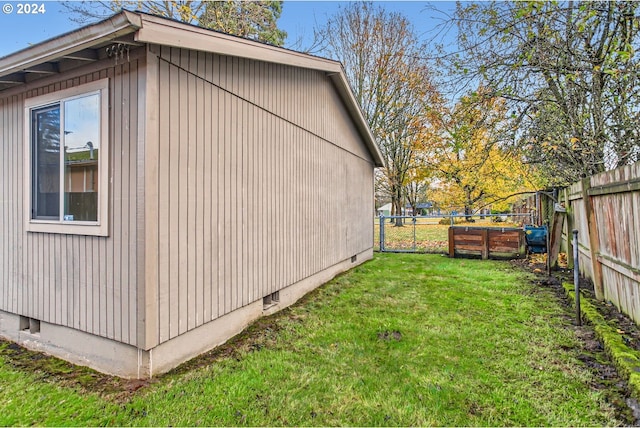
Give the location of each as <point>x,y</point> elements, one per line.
<point>162,31</point>
<point>116,26</point>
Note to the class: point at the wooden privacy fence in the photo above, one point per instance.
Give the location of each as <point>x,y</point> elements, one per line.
<point>486,242</point>
<point>605,209</point>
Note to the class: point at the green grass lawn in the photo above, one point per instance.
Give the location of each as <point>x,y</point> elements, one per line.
<point>401,340</point>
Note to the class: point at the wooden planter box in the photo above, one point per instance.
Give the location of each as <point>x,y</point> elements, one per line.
<point>486,242</point>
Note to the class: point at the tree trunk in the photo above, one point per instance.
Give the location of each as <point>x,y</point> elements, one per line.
<point>468,206</point>
<point>397,203</point>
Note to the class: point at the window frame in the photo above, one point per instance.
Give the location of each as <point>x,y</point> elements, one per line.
<point>60,226</point>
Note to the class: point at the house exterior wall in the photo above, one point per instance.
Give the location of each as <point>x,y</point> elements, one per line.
<point>229,179</point>
<point>87,283</point>
<point>257,180</point>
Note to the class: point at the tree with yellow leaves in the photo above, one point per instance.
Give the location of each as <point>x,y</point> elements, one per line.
<point>470,159</point>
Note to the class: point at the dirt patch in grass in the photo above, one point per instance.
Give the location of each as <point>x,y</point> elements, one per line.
<point>390,335</point>
<point>593,354</point>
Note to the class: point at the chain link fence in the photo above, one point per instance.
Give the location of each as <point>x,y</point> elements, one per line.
<point>429,234</point>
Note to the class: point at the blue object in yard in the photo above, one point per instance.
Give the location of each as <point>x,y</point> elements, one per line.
<point>536,237</point>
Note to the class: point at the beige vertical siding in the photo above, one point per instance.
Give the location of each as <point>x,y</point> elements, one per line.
<point>87,283</point>
<point>263,181</point>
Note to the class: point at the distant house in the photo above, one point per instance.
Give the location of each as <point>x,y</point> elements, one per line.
<point>162,185</point>
<point>422,208</point>
<point>384,210</point>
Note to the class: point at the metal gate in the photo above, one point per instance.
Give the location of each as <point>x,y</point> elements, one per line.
<point>397,234</point>
<point>409,234</point>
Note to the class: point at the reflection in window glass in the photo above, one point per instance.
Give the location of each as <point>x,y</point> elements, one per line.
<point>81,151</point>
<point>45,192</point>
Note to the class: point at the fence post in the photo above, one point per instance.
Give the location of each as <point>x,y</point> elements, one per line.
<point>414,233</point>
<point>452,238</point>
<point>381,234</point>
<point>576,276</point>
<point>569,227</point>
<point>594,241</point>
<point>485,244</point>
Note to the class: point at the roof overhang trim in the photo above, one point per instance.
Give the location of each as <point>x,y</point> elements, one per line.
<point>116,26</point>
<point>177,34</point>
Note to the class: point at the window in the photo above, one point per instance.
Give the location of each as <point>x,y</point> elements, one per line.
<point>67,145</point>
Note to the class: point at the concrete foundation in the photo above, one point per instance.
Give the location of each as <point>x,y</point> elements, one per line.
<point>116,358</point>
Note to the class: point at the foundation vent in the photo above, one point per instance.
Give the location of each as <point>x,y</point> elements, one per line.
<point>270,300</point>
<point>29,325</point>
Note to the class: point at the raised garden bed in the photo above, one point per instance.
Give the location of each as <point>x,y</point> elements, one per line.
<point>486,242</point>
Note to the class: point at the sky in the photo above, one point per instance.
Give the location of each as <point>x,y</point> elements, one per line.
<point>48,19</point>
